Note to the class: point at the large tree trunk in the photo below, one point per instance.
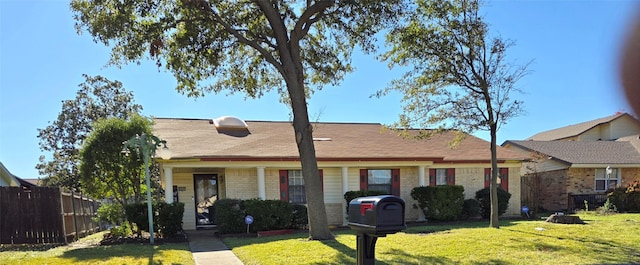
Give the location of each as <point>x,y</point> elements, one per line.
<point>318,225</point>
<point>493,187</point>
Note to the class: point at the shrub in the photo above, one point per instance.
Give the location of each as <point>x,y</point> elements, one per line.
<point>229,216</point>
<point>111,213</point>
<point>137,213</point>
<point>470,209</point>
<point>123,230</point>
<point>350,195</point>
<point>170,218</point>
<point>441,203</point>
<point>269,214</point>
<point>300,219</point>
<point>484,199</point>
<point>626,199</point>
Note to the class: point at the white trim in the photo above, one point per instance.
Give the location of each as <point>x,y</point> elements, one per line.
<point>262,192</point>
<point>168,183</point>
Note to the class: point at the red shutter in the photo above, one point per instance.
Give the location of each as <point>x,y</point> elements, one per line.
<point>504,179</point>
<point>432,177</point>
<point>487,177</point>
<point>321,180</point>
<point>451,176</point>
<point>284,185</point>
<point>395,182</point>
<point>364,179</point>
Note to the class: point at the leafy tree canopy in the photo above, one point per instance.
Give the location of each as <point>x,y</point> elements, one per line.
<point>97,98</point>
<point>105,172</point>
<point>458,75</point>
<point>250,47</point>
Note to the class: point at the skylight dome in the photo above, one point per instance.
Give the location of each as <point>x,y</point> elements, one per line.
<point>229,122</point>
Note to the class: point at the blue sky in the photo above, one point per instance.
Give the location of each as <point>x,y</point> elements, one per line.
<point>574,46</point>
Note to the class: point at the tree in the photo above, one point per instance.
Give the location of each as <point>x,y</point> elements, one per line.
<point>97,98</point>
<point>105,172</point>
<point>458,77</point>
<point>251,47</point>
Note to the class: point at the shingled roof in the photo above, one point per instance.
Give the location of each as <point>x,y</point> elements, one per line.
<point>573,130</point>
<point>584,152</point>
<point>199,138</point>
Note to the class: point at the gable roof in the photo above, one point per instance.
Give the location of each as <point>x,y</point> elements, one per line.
<point>7,177</point>
<point>574,130</point>
<point>199,138</point>
<point>584,152</point>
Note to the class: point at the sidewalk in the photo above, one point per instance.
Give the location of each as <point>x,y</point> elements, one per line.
<point>209,249</point>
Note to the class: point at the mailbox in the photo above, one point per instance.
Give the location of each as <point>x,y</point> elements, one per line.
<point>377,215</point>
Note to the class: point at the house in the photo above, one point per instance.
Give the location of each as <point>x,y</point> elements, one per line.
<point>6,178</point>
<point>9,180</point>
<point>231,158</point>
<point>579,162</point>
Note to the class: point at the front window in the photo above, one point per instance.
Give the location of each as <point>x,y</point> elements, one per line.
<point>441,176</point>
<point>379,179</point>
<point>296,187</point>
<point>606,181</point>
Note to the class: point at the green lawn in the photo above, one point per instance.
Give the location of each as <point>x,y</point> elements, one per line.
<point>613,239</point>
<point>83,252</point>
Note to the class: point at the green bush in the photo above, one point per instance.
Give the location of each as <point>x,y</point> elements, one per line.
<point>123,230</point>
<point>269,214</point>
<point>300,218</point>
<point>470,209</point>
<point>111,213</point>
<point>170,218</point>
<point>230,216</point>
<point>626,199</point>
<point>137,213</point>
<point>484,199</point>
<point>440,203</point>
<point>350,195</point>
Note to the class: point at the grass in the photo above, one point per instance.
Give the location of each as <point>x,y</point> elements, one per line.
<point>84,251</point>
<point>611,239</point>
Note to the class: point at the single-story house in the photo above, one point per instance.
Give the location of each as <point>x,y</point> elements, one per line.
<point>6,178</point>
<point>231,158</point>
<point>579,162</point>
<point>10,180</point>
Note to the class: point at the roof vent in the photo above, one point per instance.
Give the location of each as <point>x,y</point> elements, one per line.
<point>321,139</point>
<point>229,122</point>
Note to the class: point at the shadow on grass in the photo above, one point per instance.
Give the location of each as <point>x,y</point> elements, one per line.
<point>427,228</point>
<point>402,257</point>
<point>133,251</point>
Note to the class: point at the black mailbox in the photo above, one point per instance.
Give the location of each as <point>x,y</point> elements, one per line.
<point>377,215</point>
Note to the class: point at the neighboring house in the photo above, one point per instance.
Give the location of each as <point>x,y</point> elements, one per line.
<point>231,158</point>
<point>6,178</point>
<point>9,180</point>
<point>569,165</point>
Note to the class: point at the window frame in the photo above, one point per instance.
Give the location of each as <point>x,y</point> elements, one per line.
<point>615,176</point>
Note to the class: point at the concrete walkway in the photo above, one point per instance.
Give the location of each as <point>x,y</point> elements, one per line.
<point>207,248</point>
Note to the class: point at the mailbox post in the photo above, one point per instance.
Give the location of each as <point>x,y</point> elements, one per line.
<point>373,217</point>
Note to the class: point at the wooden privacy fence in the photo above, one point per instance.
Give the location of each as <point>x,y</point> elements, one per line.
<point>44,215</point>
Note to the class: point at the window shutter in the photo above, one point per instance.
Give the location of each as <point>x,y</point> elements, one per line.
<point>364,179</point>
<point>395,182</point>
<point>432,177</point>
<point>321,179</point>
<point>487,177</point>
<point>284,185</point>
<point>504,179</point>
<point>451,176</point>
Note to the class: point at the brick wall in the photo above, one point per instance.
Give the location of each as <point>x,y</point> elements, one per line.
<point>552,189</point>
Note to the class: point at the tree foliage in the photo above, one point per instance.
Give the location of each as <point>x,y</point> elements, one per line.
<point>97,98</point>
<point>249,47</point>
<point>105,172</point>
<point>458,76</point>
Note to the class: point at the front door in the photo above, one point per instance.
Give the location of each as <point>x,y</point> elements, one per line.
<point>206,194</point>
